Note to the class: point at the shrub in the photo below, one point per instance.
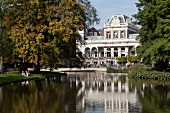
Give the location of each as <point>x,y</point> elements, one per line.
<point>140,72</point>
<point>111,70</point>
<point>114,70</point>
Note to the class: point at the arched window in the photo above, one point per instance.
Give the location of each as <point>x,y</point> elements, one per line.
<point>115,35</point>
<point>122,35</point>
<point>108,36</point>
<point>122,49</point>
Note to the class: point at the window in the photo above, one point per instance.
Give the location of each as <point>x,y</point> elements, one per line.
<point>90,33</point>
<point>108,35</point>
<point>108,54</point>
<point>95,54</point>
<point>95,33</point>
<point>115,35</point>
<point>122,35</point>
<point>122,49</point>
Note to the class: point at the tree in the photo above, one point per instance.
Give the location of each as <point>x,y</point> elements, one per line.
<point>43,31</point>
<point>92,16</point>
<point>153,17</point>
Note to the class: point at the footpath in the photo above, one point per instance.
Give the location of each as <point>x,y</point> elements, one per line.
<point>103,69</point>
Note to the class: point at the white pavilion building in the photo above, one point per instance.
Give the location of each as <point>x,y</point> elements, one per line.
<point>117,38</point>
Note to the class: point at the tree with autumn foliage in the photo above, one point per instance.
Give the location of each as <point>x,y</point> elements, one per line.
<point>41,32</point>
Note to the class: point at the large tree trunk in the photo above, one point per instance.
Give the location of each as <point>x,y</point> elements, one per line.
<point>1,63</point>
<point>37,68</point>
<point>24,67</point>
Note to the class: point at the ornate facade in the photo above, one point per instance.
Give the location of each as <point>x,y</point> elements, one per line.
<point>117,39</point>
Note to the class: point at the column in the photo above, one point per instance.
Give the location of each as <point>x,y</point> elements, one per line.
<point>82,102</point>
<point>77,83</point>
<point>119,86</point>
<point>97,82</point>
<point>105,86</point>
<point>112,32</point>
<point>90,53</point>
<point>135,51</point>
<point>98,56</point>
<point>105,105</point>
<point>99,53</point>
<point>126,34</point>
<point>105,55</point>
<point>105,52</point>
<point>90,90</point>
<point>83,50</point>
<point>118,34</point>
<point>126,51</point>
<point>119,52</point>
<point>112,52</point>
<point>112,86</point>
<point>126,86</point>
<point>83,84</point>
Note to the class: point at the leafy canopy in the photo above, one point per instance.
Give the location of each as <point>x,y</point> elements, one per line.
<point>45,31</point>
<point>154,19</point>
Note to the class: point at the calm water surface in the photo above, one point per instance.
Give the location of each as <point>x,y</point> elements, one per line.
<point>85,93</point>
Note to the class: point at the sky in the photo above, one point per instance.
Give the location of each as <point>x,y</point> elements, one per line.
<point>108,8</point>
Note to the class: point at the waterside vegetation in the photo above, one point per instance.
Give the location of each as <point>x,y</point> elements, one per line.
<point>142,72</point>
<point>116,70</point>
<point>147,73</point>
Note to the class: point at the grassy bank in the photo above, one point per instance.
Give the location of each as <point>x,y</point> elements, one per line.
<point>15,76</point>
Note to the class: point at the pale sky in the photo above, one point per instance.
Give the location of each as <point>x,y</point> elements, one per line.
<point>108,8</point>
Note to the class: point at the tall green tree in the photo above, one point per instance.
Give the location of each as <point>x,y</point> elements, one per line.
<point>92,15</point>
<point>154,19</point>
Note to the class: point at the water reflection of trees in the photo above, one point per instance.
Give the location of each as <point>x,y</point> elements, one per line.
<point>154,98</point>
<point>38,97</point>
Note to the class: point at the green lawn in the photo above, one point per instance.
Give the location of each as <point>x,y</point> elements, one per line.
<point>15,76</point>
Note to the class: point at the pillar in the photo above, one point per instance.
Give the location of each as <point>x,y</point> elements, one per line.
<point>126,34</point>
<point>90,52</point>
<point>118,34</point>
<point>126,51</point>
<point>119,86</point>
<point>105,86</point>
<point>119,52</point>
<point>77,83</point>
<point>105,52</point>
<point>126,86</point>
<point>112,86</point>
<point>112,52</point>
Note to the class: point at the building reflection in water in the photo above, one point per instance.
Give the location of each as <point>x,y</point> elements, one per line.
<point>103,92</point>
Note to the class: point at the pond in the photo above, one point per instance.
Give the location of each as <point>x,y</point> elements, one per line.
<point>83,92</point>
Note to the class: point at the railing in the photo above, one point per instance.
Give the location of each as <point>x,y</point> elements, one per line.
<point>100,58</point>
<point>95,38</point>
<point>112,40</point>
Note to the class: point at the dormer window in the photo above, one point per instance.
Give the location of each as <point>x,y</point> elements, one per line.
<point>122,35</point>
<point>108,35</point>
